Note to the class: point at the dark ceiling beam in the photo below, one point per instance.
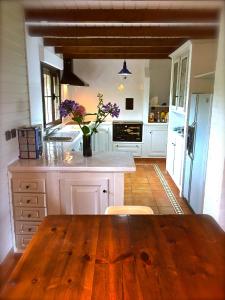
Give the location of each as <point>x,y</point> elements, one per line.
<point>124,31</point>
<point>119,50</point>
<point>122,15</point>
<point>117,56</point>
<point>110,42</point>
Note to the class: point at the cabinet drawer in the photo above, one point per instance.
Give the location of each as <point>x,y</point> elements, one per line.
<point>28,185</point>
<point>26,227</point>
<point>31,200</point>
<point>133,148</point>
<point>25,213</point>
<point>23,240</point>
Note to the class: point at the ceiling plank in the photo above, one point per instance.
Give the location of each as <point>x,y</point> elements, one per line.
<point>110,42</point>
<point>117,56</point>
<point>124,31</point>
<point>122,15</point>
<point>104,50</point>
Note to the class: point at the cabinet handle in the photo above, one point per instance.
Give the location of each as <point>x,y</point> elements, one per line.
<point>29,229</point>
<point>29,215</point>
<point>28,201</point>
<point>27,186</point>
<point>150,132</point>
<point>104,191</point>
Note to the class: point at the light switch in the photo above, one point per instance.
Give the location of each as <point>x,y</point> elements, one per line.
<point>8,135</point>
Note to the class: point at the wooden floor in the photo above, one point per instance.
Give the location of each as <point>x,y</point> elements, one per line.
<point>145,188</point>
<point>141,188</point>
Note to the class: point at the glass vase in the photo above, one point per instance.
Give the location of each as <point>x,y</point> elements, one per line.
<point>87,145</point>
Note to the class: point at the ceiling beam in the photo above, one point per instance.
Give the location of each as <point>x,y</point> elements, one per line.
<point>124,31</point>
<point>117,56</point>
<point>119,50</point>
<point>110,42</point>
<point>122,15</point>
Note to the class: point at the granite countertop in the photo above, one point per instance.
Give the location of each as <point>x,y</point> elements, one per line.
<point>68,161</point>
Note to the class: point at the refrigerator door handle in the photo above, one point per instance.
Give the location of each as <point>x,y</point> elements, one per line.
<point>190,140</point>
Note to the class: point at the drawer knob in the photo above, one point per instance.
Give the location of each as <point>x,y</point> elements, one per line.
<point>27,186</point>
<point>29,215</point>
<point>104,191</point>
<point>29,229</point>
<point>28,201</point>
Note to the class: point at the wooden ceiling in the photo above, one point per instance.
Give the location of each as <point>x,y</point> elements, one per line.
<point>120,33</point>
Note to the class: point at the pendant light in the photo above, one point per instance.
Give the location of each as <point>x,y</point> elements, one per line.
<point>124,71</point>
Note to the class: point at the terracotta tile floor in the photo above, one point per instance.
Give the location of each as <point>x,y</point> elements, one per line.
<point>144,188</point>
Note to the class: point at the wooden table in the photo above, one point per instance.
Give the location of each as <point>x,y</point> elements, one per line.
<point>122,257</point>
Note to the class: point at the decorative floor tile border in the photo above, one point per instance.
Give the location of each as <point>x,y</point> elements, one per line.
<point>168,190</point>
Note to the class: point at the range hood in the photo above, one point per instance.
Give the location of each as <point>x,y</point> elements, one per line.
<point>68,77</point>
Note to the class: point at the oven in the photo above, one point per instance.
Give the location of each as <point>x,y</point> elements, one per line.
<point>127,131</point>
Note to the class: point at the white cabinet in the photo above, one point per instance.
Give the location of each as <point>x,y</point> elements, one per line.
<point>102,140</point>
<point>179,80</point>
<point>134,148</point>
<point>29,206</point>
<point>83,196</point>
<point>155,140</point>
<point>174,162</point>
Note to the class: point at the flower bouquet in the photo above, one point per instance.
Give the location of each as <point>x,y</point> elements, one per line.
<point>78,113</point>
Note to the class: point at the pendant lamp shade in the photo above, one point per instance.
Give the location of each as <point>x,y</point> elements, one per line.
<point>124,72</point>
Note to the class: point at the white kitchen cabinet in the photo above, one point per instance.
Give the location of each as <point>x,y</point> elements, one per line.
<point>174,163</point>
<point>102,140</point>
<point>155,140</point>
<point>134,148</point>
<point>29,206</point>
<point>187,62</point>
<point>83,196</point>
<point>179,80</point>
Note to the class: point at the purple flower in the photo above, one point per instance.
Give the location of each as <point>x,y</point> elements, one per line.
<point>67,107</point>
<point>112,109</point>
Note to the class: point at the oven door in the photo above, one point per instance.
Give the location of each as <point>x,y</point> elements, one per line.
<point>127,132</point>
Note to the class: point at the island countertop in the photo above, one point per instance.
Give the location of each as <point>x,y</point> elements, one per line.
<point>68,161</point>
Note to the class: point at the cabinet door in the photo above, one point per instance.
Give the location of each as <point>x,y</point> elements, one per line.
<point>178,161</point>
<point>170,155</point>
<point>101,140</point>
<point>157,143</point>
<point>175,84</point>
<point>183,82</point>
<point>80,197</point>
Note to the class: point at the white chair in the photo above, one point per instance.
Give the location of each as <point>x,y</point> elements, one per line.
<point>129,210</point>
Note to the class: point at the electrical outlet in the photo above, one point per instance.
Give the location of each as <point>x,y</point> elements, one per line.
<point>13,133</point>
<point>8,135</point>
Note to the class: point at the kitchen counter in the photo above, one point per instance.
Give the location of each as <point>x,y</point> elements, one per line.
<point>58,160</point>
<point>64,182</point>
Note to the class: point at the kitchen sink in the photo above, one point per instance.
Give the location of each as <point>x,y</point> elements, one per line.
<point>61,136</point>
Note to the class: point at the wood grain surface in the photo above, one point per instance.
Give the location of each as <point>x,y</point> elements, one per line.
<point>122,257</point>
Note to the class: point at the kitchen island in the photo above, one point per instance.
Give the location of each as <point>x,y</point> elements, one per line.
<point>64,182</point>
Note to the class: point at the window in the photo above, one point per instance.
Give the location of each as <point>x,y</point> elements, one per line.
<point>50,95</point>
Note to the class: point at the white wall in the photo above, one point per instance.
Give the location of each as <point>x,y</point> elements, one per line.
<point>215,178</point>
<point>36,54</point>
<point>14,106</point>
<point>102,77</point>
<point>160,70</point>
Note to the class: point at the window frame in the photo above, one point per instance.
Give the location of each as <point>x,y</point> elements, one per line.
<point>53,72</point>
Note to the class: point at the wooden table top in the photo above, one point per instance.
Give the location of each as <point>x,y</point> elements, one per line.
<point>122,257</point>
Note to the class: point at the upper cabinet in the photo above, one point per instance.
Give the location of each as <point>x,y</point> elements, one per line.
<point>187,63</point>
<point>179,79</point>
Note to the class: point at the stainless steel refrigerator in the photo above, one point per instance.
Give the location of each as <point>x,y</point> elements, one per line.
<point>199,117</point>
